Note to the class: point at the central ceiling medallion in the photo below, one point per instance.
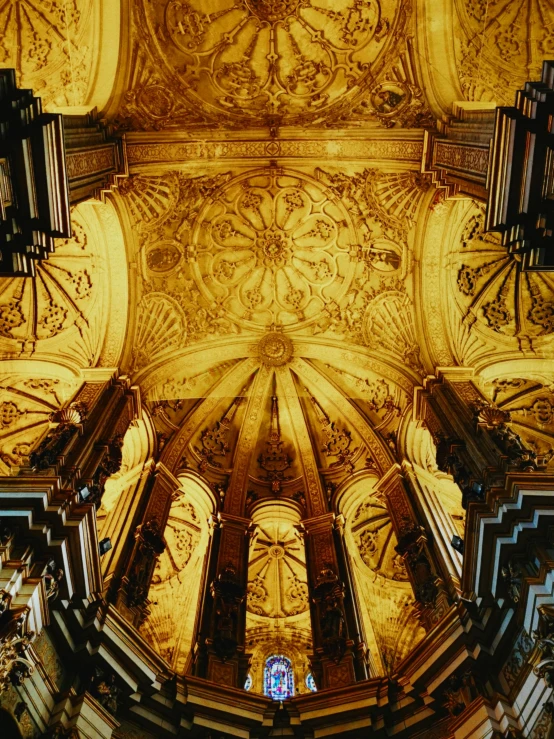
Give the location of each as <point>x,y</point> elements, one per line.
<point>273,248</point>
<point>272,10</point>
<point>275,349</point>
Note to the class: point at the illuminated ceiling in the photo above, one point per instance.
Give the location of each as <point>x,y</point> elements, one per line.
<point>276,274</point>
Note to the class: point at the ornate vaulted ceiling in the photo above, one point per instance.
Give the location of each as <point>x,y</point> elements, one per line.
<point>276,275</point>
<point>255,62</point>
<point>501,45</point>
<point>274,340</point>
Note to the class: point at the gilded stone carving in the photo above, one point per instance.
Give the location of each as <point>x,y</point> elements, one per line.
<point>492,288</point>
<point>215,440</point>
<point>64,311</point>
<point>275,349</point>
<point>161,326</point>
<point>376,541</point>
<point>272,248</point>
<point>15,639</point>
<point>48,44</point>
<point>336,440</point>
<point>173,593</point>
<point>527,425</point>
<point>260,61</point>
<point>518,658</point>
<point>379,396</point>
<point>494,55</point>
<point>274,460</point>
<point>27,409</point>
<point>390,200</point>
<point>277,579</point>
<point>163,257</point>
<point>258,150</point>
<point>103,687</point>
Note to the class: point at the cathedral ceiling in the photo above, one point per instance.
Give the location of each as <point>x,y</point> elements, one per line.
<point>261,63</point>
<point>71,314</point>
<point>324,255</point>
<point>500,45</point>
<point>475,303</point>
<point>290,275</point>
<point>529,401</point>
<point>61,48</point>
<point>305,275</point>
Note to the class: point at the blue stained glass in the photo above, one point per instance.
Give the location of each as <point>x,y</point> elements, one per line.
<point>278,678</point>
<point>310,682</point>
<point>248,683</point>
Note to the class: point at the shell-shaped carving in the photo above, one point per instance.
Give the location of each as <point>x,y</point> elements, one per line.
<point>161,326</point>
<point>396,197</point>
<point>491,416</point>
<point>68,415</point>
<point>150,199</point>
<point>389,325</point>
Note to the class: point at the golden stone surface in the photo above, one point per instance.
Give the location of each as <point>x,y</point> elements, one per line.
<point>275,239</point>
<point>275,349</point>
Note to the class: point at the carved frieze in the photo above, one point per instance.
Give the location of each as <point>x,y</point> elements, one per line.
<point>253,150</point>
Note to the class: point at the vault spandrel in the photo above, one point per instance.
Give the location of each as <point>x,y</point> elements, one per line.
<point>493,299</point>
<point>495,57</point>
<point>58,50</point>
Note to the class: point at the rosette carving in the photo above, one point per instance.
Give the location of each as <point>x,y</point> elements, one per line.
<point>272,248</point>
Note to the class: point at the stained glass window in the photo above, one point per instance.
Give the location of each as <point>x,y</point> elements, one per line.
<point>310,682</point>
<point>278,678</point>
<point>248,683</point>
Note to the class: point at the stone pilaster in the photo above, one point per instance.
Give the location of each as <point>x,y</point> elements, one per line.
<point>333,663</point>
<point>225,611</point>
<point>414,546</point>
